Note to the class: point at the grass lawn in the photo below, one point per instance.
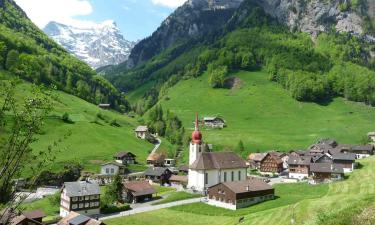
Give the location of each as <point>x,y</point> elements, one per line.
<point>332,204</point>
<point>162,190</point>
<point>176,196</point>
<point>264,115</point>
<point>49,205</point>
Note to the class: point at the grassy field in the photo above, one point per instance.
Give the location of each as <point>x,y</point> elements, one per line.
<point>49,204</point>
<point>336,203</point>
<point>176,196</point>
<point>264,116</point>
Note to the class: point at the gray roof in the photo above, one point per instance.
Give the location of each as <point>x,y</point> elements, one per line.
<point>113,163</point>
<point>81,188</point>
<point>371,133</point>
<point>301,160</point>
<point>368,148</point>
<point>344,156</point>
<point>326,168</point>
<point>155,171</point>
<point>79,220</point>
<point>218,160</point>
<point>141,129</point>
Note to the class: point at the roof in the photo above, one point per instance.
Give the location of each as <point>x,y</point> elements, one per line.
<point>123,154</point>
<point>218,160</point>
<point>113,163</point>
<point>299,152</point>
<point>155,171</point>
<point>362,148</point>
<point>274,157</point>
<point>141,129</point>
<point>326,168</point>
<point>104,105</point>
<point>78,219</point>
<point>81,188</point>
<point>277,154</point>
<point>212,118</point>
<point>256,156</point>
<point>179,178</point>
<point>319,156</point>
<point>139,188</point>
<point>343,156</point>
<point>156,157</point>
<point>371,133</point>
<point>299,160</point>
<point>34,214</point>
<point>14,218</point>
<point>183,168</point>
<point>247,186</point>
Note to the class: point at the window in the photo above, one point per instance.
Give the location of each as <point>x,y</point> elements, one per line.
<point>225,176</point>
<point>206,178</point>
<point>107,170</point>
<point>112,171</point>
<point>81,198</point>
<point>87,198</point>
<point>239,175</point>
<point>80,205</point>
<point>87,205</point>
<point>74,206</point>
<point>232,175</point>
<point>74,199</point>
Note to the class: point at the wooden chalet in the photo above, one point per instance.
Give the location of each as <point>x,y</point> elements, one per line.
<point>26,218</point>
<point>158,174</point>
<point>255,159</point>
<point>345,160</point>
<point>176,180</point>
<point>325,172</point>
<point>271,163</point>
<point>156,159</point>
<point>137,191</point>
<point>214,122</point>
<point>125,158</point>
<point>141,132</point>
<point>299,167</point>
<point>239,194</point>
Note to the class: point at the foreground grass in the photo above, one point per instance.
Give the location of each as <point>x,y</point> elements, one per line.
<point>176,196</point>
<point>264,116</point>
<point>50,206</point>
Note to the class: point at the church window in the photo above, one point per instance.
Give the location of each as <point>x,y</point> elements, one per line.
<point>232,176</point>
<point>239,175</point>
<point>225,176</point>
<point>206,178</point>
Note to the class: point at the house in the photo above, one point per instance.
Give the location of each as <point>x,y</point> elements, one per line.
<point>158,174</point>
<point>345,160</point>
<point>323,146</point>
<point>156,159</point>
<point>299,167</point>
<point>184,169</point>
<point>141,132</point>
<point>112,168</point>
<point>104,106</point>
<point>371,136</point>
<point>283,156</point>
<point>169,162</point>
<point>255,159</point>
<point>25,218</point>
<point>176,180</point>
<point>125,158</point>
<point>137,191</point>
<point>74,218</point>
<point>214,122</point>
<point>297,153</point>
<point>361,151</point>
<point>239,194</point>
<point>210,168</point>
<point>271,163</point>
<point>325,172</point>
<point>321,158</point>
<point>82,197</point>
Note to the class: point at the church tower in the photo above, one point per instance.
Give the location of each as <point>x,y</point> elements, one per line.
<point>196,144</point>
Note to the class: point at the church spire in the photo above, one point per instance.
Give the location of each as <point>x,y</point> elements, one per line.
<point>196,122</point>
<point>196,135</point>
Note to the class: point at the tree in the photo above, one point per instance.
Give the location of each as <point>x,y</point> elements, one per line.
<point>240,146</point>
<point>3,49</point>
<point>113,192</point>
<point>12,59</point>
<point>217,76</point>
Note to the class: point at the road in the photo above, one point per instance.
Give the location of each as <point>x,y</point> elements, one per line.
<point>156,146</point>
<point>149,208</point>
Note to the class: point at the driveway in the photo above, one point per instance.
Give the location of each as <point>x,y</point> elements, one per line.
<point>149,208</point>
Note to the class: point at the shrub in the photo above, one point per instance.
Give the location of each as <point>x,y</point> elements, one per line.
<point>107,209</point>
<point>65,117</point>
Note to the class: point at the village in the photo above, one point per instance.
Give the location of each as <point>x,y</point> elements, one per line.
<point>220,179</point>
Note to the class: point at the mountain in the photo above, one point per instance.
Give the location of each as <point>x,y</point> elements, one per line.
<point>28,53</point>
<point>99,45</point>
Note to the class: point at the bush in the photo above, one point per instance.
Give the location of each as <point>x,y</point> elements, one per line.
<point>107,209</point>
<point>65,117</point>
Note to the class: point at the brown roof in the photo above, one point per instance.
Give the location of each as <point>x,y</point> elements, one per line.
<point>299,160</point>
<point>139,188</point>
<point>14,218</point>
<point>247,186</point>
<point>123,154</point>
<point>183,179</point>
<point>256,156</point>
<point>218,160</point>
<point>156,157</point>
<point>274,157</point>
<point>34,214</point>
<point>76,216</point>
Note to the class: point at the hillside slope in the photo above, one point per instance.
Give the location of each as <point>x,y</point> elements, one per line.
<point>264,115</point>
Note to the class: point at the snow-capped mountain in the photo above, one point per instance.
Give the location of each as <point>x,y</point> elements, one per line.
<point>98,44</point>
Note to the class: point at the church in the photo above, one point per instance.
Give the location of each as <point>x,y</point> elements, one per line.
<point>210,168</point>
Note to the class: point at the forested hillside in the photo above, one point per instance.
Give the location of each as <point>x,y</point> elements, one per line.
<point>313,69</point>
<point>27,52</point>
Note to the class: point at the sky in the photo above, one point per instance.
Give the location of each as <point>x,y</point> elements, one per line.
<point>136,19</point>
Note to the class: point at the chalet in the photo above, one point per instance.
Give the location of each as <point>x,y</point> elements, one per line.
<point>25,218</point>
<point>214,122</point>
<point>169,162</point>
<point>325,172</point>
<point>345,160</point>
<point>137,191</point>
<point>125,158</point>
<point>184,169</point>
<point>299,167</point>
<point>156,159</point>
<point>297,153</point>
<point>371,136</point>
<point>158,174</point>
<point>104,106</point>
<point>283,156</point>
<point>255,159</point>
<point>112,168</point>
<point>321,158</point>
<point>322,147</point>
<point>176,180</point>
<point>271,163</point>
<point>74,218</point>
<point>82,197</point>
<point>141,132</point>
<point>239,194</point>
<point>361,151</point>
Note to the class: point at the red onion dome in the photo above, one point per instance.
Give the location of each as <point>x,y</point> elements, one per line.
<point>196,137</point>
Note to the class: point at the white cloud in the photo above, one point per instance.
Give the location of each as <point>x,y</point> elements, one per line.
<point>63,11</point>
<point>169,3</point>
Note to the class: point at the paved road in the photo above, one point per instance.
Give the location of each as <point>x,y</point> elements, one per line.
<point>150,208</point>
<point>156,146</point>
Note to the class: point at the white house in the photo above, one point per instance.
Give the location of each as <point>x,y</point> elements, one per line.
<point>82,197</point>
<point>141,132</point>
<point>210,168</point>
<point>112,168</point>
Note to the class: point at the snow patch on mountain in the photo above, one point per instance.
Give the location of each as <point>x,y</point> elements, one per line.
<point>98,45</point>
